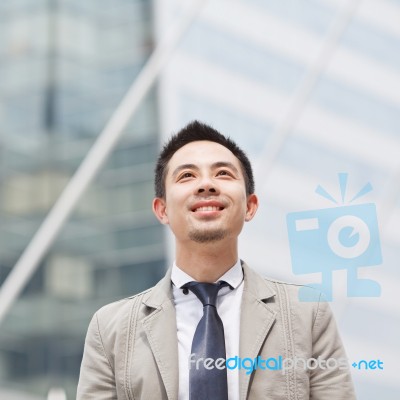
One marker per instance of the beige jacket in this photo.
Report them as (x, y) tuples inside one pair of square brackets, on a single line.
[(131, 347)]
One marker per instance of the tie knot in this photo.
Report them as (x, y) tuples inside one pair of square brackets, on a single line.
[(206, 292)]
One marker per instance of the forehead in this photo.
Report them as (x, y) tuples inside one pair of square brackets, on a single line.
[(202, 153)]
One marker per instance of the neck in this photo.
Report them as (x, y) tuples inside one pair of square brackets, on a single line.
[(206, 262)]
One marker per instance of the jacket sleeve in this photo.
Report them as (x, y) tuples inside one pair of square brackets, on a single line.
[(332, 378), (97, 378)]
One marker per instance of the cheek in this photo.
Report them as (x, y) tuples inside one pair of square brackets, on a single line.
[(174, 210), (244, 208), (243, 200), (175, 195)]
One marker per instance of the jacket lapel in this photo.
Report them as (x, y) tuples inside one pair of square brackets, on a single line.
[(256, 320), (160, 328)]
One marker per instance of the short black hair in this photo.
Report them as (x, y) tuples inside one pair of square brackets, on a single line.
[(196, 131)]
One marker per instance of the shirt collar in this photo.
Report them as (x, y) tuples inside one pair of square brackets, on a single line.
[(234, 276)]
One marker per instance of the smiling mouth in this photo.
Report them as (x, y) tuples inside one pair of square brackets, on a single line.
[(208, 208)]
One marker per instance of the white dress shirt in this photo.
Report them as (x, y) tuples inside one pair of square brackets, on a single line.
[(189, 311)]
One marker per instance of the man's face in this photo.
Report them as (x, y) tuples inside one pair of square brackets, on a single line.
[(205, 197)]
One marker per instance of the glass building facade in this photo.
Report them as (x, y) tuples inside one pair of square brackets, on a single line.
[(64, 67), (243, 67)]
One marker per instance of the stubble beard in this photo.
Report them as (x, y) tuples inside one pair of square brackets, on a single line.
[(207, 236)]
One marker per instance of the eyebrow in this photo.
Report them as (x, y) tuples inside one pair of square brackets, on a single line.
[(216, 165), (227, 164)]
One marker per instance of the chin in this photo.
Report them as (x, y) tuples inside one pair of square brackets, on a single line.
[(208, 236)]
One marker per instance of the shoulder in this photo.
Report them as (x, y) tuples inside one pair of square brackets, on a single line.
[(295, 291), (118, 312), (285, 298), (266, 287), (304, 302)]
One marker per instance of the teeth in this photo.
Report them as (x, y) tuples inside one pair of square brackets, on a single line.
[(208, 208)]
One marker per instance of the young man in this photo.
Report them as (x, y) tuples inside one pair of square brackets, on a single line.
[(171, 341)]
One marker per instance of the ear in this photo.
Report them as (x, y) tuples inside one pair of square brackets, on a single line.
[(252, 206), (160, 210)]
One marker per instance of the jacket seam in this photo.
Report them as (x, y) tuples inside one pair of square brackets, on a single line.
[(284, 305), (135, 296), (130, 344), (317, 312), (102, 344), (291, 340)]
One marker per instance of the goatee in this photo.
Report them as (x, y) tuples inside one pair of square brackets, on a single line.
[(205, 236)]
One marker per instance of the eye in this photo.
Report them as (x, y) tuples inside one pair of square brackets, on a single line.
[(186, 175), (223, 172)]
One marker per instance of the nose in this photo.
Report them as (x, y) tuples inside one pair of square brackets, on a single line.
[(207, 186), (210, 190)]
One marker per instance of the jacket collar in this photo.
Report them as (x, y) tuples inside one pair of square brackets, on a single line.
[(160, 293), (257, 318), (160, 328)]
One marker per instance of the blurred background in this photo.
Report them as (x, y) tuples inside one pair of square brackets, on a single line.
[(309, 88)]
